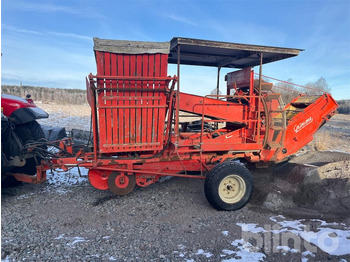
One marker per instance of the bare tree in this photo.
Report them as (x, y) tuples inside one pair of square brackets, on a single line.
[(287, 90), (213, 92), (318, 88)]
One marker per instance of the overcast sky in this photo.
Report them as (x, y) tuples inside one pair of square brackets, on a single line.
[(49, 43)]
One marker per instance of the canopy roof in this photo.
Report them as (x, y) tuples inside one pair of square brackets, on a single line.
[(225, 54), (200, 52)]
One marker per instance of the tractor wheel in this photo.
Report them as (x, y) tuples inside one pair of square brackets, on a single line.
[(29, 132), (228, 186)]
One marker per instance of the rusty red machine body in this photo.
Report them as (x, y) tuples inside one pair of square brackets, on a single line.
[(138, 132)]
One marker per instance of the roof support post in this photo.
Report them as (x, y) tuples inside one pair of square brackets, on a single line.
[(218, 91), (177, 120), (218, 82), (259, 100)]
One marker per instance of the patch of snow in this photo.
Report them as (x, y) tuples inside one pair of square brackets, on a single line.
[(181, 246), (77, 240), (305, 254), (71, 177), (71, 240), (24, 196), (60, 237), (6, 259), (206, 254), (294, 224), (225, 233), (227, 252), (111, 258), (287, 249), (274, 218), (251, 228), (330, 240), (245, 252)]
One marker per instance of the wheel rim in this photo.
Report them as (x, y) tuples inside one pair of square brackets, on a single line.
[(121, 185), (232, 189)]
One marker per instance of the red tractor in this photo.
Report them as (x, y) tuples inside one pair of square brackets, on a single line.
[(19, 130), (139, 135)]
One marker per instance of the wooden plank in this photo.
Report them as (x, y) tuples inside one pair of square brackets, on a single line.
[(132, 102), (157, 119), (144, 111), (113, 97), (138, 112), (108, 102), (130, 47), (126, 102), (150, 112), (120, 102)]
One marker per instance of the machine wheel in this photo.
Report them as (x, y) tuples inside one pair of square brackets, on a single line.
[(228, 186), (28, 132), (121, 184), (99, 179)]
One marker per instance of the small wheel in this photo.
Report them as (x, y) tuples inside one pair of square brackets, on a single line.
[(121, 184), (228, 186)]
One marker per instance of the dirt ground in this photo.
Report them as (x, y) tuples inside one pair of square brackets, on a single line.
[(303, 203)]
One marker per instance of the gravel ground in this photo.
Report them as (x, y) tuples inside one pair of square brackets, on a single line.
[(169, 221), (68, 220)]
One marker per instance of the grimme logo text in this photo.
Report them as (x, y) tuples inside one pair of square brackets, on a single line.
[(297, 128)]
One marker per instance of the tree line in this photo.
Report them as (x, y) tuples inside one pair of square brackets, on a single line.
[(46, 94), (78, 96), (344, 106), (289, 91)]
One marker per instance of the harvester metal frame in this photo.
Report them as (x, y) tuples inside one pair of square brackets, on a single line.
[(136, 120)]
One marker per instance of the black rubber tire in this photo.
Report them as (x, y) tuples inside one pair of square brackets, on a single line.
[(27, 132), (220, 172)]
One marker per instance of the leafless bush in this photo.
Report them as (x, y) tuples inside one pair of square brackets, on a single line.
[(322, 141), (344, 106)]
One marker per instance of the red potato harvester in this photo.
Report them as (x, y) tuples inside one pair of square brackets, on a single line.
[(138, 136)]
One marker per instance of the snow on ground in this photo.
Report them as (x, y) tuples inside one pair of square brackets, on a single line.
[(60, 178), (334, 241), (71, 241), (243, 251), (225, 233)]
